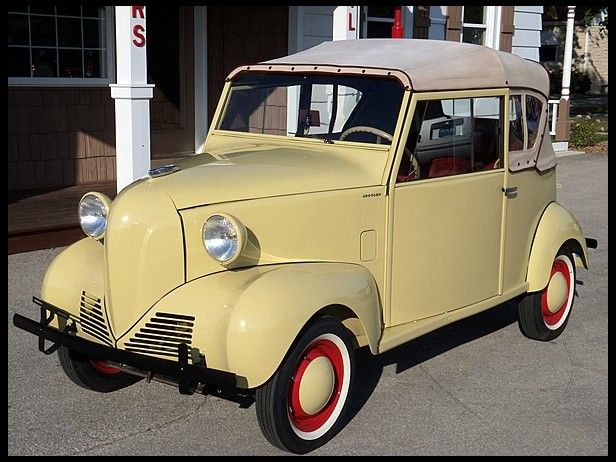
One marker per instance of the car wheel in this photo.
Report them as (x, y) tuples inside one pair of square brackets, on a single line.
[(544, 315), (302, 406), (93, 374)]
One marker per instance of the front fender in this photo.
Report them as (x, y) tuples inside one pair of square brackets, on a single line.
[(76, 269), (556, 226), (247, 320), (275, 307)]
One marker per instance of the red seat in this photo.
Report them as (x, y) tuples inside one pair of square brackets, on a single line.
[(443, 166)]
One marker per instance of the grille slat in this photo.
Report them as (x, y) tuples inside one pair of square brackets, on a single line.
[(89, 305), (165, 327), (94, 334), (162, 334), (88, 325), (91, 318), (178, 335), (137, 340)]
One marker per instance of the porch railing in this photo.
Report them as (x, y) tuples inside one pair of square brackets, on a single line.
[(553, 115)]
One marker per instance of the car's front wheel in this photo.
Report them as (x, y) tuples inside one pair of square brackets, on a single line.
[(544, 315), (93, 374), (302, 406)]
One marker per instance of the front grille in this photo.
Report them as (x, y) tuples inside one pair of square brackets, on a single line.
[(162, 335), (92, 319)]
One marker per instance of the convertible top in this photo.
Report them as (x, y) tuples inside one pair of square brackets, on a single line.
[(429, 65), (421, 65)]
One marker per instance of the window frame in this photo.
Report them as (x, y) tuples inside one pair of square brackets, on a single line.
[(527, 152), (78, 81), (441, 95), (368, 19), (491, 25)]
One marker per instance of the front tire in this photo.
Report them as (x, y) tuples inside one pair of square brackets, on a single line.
[(544, 315), (93, 374), (302, 406)]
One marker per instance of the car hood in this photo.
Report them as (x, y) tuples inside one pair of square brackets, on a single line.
[(250, 171)]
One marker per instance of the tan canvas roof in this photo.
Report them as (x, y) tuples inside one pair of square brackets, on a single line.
[(423, 65)]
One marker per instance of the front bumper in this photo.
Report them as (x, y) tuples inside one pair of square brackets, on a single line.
[(187, 376)]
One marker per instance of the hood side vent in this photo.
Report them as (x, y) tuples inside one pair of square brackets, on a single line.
[(162, 334), (92, 319)]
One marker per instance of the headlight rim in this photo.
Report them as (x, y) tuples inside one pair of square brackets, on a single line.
[(106, 201), (240, 231)]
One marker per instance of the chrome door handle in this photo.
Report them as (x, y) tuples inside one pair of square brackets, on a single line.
[(511, 191)]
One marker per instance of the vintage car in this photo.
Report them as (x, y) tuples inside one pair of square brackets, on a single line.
[(359, 193)]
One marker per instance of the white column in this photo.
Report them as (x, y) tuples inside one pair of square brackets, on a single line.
[(566, 83), (132, 95), (346, 23), (201, 103)]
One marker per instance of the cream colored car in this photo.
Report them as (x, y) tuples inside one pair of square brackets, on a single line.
[(360, 193)]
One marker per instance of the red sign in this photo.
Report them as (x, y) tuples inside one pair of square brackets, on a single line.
[(138, 29)]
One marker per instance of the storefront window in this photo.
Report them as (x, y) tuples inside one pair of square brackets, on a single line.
[(57, 42)]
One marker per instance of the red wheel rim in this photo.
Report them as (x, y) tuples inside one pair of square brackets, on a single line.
[(551, 319), (299, 418), (102, 367)]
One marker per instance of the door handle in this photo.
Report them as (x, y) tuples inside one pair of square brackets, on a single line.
[(511, 191)]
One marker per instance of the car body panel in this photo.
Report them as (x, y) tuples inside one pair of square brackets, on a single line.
[(144, 253), (328, 229), (250, 317), (238, 167), (556, 227), (436, 265)]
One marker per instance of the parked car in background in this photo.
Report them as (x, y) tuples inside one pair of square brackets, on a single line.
[(360, 193)]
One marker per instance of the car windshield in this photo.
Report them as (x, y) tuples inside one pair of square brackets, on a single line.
[(330, 107)]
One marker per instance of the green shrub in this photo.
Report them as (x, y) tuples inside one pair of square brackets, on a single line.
[(584, 131)]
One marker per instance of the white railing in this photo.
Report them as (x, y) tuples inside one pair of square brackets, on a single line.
[(553, 115)]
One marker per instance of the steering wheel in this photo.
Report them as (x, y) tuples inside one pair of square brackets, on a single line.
[(382, 134)]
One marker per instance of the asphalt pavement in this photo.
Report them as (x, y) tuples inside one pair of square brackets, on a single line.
[(477, 387)]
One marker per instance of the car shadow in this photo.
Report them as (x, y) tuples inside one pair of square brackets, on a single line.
[(370, 368)]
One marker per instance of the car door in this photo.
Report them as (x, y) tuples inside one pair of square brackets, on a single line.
[(447, 211)]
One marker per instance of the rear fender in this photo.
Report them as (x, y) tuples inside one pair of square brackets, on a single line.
[(557, 226)]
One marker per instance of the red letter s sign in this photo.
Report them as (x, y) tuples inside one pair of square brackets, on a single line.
[(138, 31)]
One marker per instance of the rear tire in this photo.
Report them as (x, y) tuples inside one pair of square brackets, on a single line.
[(303, 405), (93, 374), (544, 315)]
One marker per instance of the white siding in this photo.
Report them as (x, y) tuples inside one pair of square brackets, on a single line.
[(538, 9), (309, 25), (527, 34), (438, 18)]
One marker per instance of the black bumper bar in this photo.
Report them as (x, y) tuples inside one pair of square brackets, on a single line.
[(187, 375)]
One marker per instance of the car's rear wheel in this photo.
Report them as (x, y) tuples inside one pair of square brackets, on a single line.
[(544, 315), (302, 406), (93, 374)]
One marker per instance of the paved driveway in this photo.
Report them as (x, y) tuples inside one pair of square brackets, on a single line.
[(477, 387)]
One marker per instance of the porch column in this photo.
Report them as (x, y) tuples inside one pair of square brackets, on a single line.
[(346, 23), (562, 125), (132, 96)]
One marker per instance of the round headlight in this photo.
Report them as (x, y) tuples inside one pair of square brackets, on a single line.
[(223, 238), (93, 210)]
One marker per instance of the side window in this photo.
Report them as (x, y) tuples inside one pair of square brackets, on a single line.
[(533, 116), (453, 137), (516, 124)]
